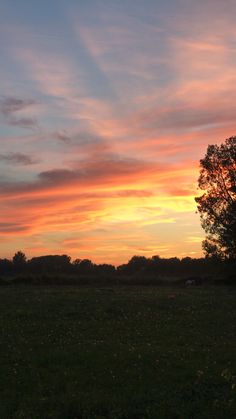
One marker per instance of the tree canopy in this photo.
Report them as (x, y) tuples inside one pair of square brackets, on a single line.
[(19, 260), (217, 205)]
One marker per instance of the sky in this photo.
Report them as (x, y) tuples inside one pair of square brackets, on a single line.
[(106, 108)]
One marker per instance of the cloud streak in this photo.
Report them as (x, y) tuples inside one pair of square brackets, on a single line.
[(18, 158), (11, 108), (11, 105)]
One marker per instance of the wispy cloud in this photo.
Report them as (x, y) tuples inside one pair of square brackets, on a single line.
[(11, 108), (23, 122), (10, 105), (18, 158), (63, 136)]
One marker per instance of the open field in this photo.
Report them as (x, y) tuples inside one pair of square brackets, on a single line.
[(121, 353)]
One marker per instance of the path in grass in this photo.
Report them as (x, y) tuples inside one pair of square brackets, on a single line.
[(121, 353)]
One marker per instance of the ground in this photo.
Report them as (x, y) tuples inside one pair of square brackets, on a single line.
[(117, 353)]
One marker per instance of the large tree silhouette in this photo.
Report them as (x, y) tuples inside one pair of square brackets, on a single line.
[(217, 205)]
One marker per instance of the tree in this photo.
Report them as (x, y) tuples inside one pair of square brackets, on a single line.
[(19, 261), (50, 263), (137, 263), (217, 205), (86, 265)]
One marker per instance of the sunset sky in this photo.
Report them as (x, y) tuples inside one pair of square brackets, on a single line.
[(106, 107)]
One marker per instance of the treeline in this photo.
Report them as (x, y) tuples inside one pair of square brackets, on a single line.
[(56, 269), (50, 264)]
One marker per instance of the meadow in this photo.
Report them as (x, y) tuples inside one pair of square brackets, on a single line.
[(117, 353)]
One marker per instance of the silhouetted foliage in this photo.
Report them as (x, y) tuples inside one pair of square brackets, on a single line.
[(59, 270), (19, 261), (137, 263), (50, 263), (217, 205), (85, 265), (105, 268), (76, 262), (6, 266)]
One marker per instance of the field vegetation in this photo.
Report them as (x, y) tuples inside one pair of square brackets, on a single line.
[(117, 352)]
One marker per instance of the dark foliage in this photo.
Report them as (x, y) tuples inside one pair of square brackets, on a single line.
[(50, 263), (217, 205), (60, 270), (6, 266), (19, 261)]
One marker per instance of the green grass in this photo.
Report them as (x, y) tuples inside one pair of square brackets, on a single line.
[(121, 353)]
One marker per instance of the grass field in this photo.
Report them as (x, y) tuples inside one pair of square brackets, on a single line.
[(121, 353)]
